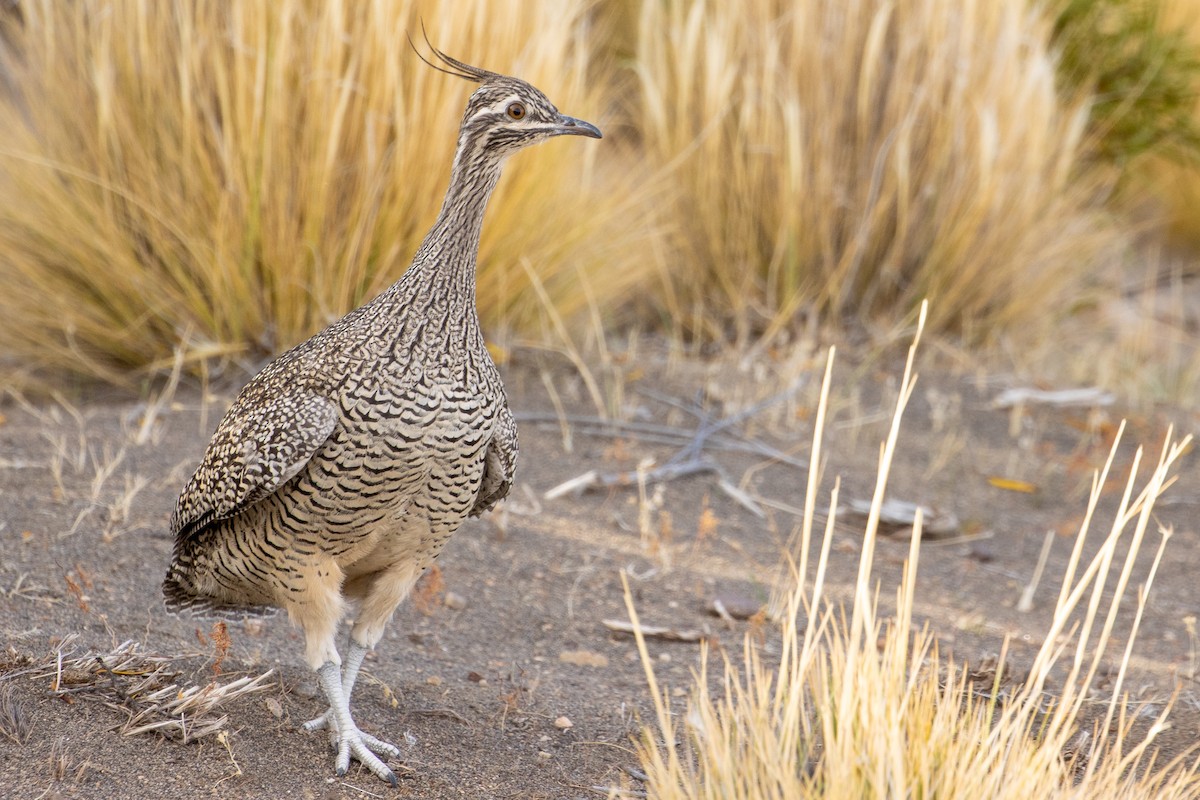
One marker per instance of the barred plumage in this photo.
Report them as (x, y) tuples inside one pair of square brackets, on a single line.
[(342, 468)]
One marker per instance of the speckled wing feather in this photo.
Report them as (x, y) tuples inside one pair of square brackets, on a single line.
[(255, 450), (499, 463)]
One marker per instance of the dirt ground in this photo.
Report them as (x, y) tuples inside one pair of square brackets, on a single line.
[(475, 680)]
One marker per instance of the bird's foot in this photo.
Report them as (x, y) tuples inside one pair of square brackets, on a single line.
[(364, 747), (344, 734)]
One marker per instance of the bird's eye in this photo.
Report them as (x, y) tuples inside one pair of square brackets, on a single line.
[(516, 110)]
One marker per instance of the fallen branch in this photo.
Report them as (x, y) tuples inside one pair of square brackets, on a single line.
[(1063, 398), (593, 479), (652, 433), (688, 460), (655, 631)]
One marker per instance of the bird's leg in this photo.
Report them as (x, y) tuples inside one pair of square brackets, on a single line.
[(350, 667), (380, 595), (319, 617), (352, 741)]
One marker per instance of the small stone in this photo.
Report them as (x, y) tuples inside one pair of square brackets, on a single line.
[(434, 680), (475, 677), (274, 707), (544, 756), (583, 658), (982, 553), (454, 601), (306, 690), (562, 723), (664, 658), (736, 605)]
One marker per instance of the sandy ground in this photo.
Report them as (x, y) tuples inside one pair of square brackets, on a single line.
[(503, 681)]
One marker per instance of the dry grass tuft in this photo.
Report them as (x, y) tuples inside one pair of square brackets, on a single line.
[(865, 707), (229, 178), (14, 719), (186, 184), (854, 159), (144, 687)]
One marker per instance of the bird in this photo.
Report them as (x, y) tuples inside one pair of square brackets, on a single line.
[(342, 468)]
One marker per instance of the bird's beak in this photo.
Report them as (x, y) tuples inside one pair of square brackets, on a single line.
[(569, 126)]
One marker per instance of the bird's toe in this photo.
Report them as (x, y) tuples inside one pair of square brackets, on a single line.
[(363, 748), (379, 746), (322, 722)]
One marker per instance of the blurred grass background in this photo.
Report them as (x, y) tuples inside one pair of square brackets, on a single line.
[(222, 180)]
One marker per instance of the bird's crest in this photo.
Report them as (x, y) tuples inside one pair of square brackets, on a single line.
[(452, 66)]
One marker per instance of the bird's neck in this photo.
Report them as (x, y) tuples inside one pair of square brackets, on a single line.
[(444, 265)]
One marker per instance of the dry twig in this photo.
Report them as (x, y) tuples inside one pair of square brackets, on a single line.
[(655, 631)]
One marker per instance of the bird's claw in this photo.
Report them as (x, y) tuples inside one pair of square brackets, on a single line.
[(363, 747)]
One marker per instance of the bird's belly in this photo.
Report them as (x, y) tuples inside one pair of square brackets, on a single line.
[(417, 524)]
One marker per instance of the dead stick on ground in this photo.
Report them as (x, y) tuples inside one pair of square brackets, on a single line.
[(688, 460), (655, 631), (662, 474), (660, 434)]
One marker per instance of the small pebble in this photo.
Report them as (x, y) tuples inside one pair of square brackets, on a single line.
[(736, 605), (305, 690), (454, 601), (434, 680), (542, 754), (274, 707), (562, 723), (982, 553)]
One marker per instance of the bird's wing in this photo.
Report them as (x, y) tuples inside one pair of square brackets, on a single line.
[(261, 444), (499, 463)]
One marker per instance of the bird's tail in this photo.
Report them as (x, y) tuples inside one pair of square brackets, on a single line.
[(181, 601)]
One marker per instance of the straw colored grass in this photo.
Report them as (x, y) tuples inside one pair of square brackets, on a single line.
[(234, 176), (222, 180), (854, 158), (143, 686), (866, 707)]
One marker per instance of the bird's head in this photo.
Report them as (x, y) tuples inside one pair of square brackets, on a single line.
[(506, 114)]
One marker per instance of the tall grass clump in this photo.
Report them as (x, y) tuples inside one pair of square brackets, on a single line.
[(855, 157), (230, 177), (1141, 70), (861, 707)]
